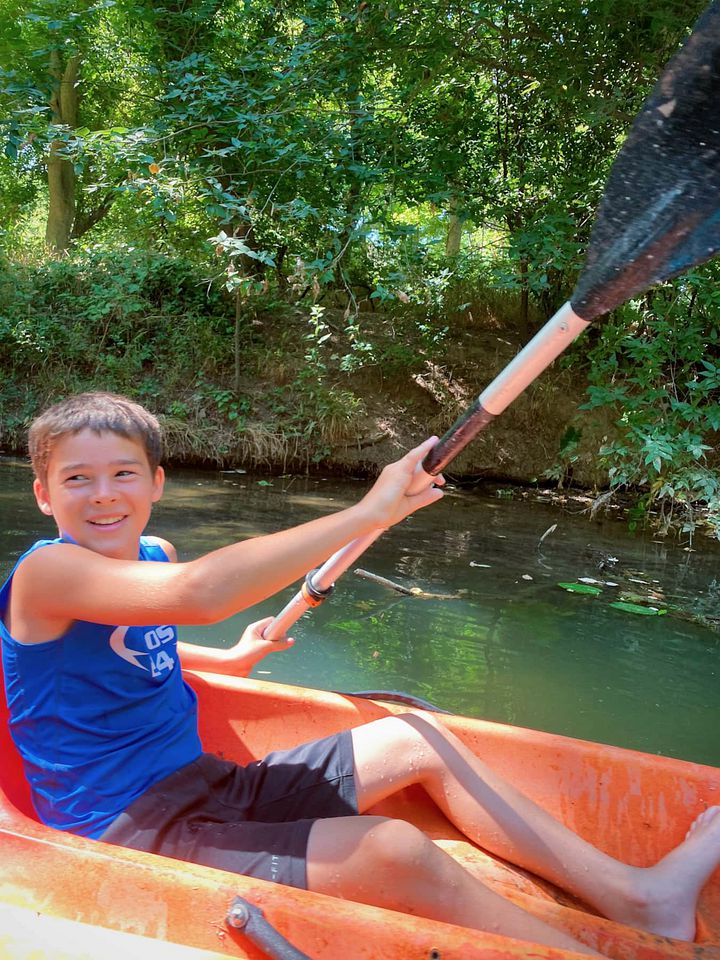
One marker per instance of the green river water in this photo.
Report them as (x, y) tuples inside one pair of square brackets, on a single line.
[(509, 645)]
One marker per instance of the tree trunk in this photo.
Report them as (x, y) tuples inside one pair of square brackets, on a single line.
[(357, 114), (524, 296), (60, 171), (454, 230), (236, 343)]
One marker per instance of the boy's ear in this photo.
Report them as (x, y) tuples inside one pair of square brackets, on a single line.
[(43, 500), (158, 484)]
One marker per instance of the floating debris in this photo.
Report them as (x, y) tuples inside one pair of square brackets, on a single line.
[(638, 609), (547, 533), (407, 591), (581, 588)]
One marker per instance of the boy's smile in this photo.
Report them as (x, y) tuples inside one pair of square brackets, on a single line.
[(100, 489)]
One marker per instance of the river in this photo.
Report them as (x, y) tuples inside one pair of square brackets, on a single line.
[(505, 642)]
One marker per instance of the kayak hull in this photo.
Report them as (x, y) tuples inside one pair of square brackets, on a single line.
[(635, 806)]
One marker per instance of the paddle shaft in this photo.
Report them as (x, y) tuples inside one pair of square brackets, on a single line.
[(545, 346)]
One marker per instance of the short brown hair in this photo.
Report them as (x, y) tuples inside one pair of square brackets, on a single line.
[(96, 411)]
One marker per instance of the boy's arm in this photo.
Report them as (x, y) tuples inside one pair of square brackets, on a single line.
[(236, 661), (64, 582)]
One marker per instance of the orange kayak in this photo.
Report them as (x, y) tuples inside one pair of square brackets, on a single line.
[(633, 805)]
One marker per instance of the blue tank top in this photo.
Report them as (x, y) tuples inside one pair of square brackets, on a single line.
[(98, 715)]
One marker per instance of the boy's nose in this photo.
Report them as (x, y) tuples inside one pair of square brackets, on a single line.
[(103, 492)]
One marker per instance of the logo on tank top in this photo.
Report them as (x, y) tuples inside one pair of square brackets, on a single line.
[(154, 658)]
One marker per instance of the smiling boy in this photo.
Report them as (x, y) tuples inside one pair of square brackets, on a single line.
[(107, 728)]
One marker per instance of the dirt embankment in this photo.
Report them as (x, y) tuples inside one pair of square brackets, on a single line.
[(520, 446), (397, 406)]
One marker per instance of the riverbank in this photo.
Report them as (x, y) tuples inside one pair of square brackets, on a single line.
[(284, 384), (297, 405)]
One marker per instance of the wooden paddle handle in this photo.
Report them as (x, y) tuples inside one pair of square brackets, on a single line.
[(560, 330)]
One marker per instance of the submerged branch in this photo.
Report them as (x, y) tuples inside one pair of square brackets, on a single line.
[(407, 591)]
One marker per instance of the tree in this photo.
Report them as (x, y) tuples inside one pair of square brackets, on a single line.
[(301, 129), (58, 83)]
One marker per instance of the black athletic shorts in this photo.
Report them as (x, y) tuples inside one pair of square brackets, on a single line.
[(254, 820)]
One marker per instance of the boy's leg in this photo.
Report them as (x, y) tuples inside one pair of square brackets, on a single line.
[(395, 752), (392, 864)]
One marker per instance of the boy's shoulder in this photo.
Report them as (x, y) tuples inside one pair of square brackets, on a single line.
[(34, 549), (4, 589), (62, 553), (49, 588)]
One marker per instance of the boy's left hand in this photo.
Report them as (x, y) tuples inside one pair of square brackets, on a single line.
[(235, 661), (252, 647)]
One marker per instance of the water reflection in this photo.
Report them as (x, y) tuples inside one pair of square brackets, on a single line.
[(512, 647)]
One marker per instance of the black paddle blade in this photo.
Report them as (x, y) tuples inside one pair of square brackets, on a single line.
[(660, 213)]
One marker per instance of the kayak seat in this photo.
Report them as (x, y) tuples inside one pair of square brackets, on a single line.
[(14, 788)]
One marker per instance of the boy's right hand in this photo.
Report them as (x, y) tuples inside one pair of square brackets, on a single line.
[(404, 487)]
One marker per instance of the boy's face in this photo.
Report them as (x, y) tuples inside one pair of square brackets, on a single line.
[(100, 489)]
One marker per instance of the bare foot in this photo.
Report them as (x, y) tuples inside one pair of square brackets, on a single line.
[(666, 895)]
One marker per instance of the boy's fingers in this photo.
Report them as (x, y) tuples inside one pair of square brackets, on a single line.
[(418, 453), (426, 497), (421, 479), (282, 643)]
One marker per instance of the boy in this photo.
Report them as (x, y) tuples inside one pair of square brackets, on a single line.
[(108, 734)]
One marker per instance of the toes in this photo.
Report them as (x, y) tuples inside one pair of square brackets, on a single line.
[(703, 819)]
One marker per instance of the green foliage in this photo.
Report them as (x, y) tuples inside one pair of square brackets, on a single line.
[(114, 318), (307, 132), (221, 402), (422, 169), (151, 326), (638, 609), (319, 407), (656, 366)]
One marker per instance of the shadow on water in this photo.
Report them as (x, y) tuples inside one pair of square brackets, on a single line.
[(512, 647)]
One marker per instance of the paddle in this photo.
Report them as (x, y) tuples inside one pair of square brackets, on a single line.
[(660, 215)]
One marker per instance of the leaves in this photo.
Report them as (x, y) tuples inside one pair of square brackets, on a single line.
[(585, 588), (316, 146), (586, 585), (661, 356), (317, 129), (637, 608)]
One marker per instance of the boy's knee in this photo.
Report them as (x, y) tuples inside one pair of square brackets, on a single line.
[(386, 862), (429, 720), (398, 844), (426, 727)]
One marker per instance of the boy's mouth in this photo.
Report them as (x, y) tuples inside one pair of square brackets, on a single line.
[(106, 521)]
